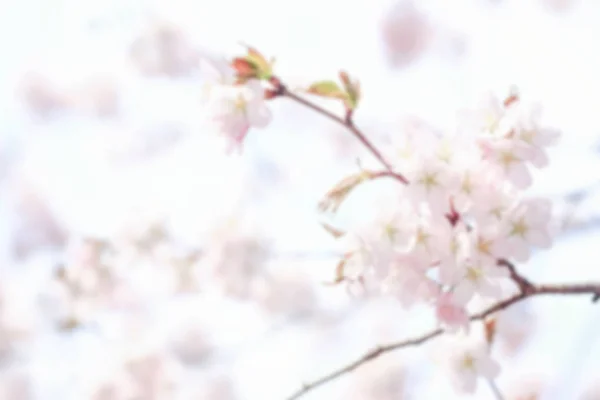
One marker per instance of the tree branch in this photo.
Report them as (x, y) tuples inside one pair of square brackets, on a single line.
[(534, 290), (282, 90)]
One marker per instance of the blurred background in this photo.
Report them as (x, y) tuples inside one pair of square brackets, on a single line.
[(139, 261)]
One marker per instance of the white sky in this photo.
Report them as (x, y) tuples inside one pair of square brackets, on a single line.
[(556, 60)]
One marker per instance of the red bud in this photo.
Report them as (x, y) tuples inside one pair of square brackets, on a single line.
[(243, 68)]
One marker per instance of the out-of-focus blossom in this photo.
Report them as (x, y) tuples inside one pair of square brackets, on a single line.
[(468, 363), (192, 344), (235, 261), (18, 314), (560, 6), (290, 294), (98, 96), (514, 327), (215, 387), (41, 96), (164, 49), (36, 225), (379, 381), (136, 372), (529, 387), (406, 33), (233, 110), (15, 385)]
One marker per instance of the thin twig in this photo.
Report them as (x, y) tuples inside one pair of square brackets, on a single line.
[(494, 388), (282, 90), (586, 289)]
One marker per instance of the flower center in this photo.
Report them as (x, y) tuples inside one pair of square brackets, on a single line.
[(468, 362), (240, 103), (474, 274), (429, 180), (519, 228)]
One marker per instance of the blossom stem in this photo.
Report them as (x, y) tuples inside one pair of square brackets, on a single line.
[(592, 289), (282, 90), (494, 388)]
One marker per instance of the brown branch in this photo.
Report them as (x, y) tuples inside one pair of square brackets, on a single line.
[(522, 283), (534, 290), (282, 90)]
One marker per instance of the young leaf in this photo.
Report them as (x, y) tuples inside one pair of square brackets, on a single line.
[(336, 195), (339, 272), (336, 233), (327, 89), (263, 67), (352, 90)]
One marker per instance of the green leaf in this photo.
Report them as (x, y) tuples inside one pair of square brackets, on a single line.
[(263, 67), (327, 89), (352, 89)]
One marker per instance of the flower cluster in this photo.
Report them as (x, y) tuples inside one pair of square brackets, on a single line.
[(445, 239), (459, 218)]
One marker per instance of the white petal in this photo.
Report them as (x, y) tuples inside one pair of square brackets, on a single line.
[(259, 115), (539, 238), (519, 250), (487, 288), (467, 381), (488, 368), (255, 89), (519, 175), (464, 292), (547, 137), (495, 271), (540, 158)]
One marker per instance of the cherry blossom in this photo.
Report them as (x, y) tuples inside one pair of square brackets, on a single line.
[(430, 180), (407, 280), (509, 158), (478, 276), (236, 109), (232, 108), (526, 225), (535, 136), (468, 363), (451, 313)]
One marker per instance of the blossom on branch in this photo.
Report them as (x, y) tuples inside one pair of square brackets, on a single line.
[(233, 108)]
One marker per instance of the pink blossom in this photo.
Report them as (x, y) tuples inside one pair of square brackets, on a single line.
[(235, 109), (470, 362), (478, 277), (408, 280), (527, 225), (450, 313)]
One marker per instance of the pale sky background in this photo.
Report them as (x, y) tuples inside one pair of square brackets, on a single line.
[(552, 57)]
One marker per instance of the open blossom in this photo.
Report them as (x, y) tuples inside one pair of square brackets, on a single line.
[(509, 157), (407, 280), (527, 225), (476, 276), (536, 137), (233, 108), (470, 362), (512, 138), (450, 313), (237, 108), (430, 180)]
